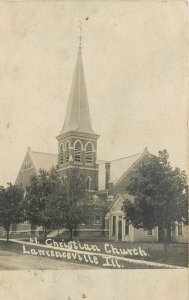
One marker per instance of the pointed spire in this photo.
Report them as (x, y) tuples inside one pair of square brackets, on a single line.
[(80, 36), (78, 114), (145, 151)]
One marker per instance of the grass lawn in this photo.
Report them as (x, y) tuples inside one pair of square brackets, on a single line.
[(6, 248), (9, 246), (177, 253)]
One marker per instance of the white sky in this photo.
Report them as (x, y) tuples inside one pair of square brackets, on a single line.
[(135, 62)]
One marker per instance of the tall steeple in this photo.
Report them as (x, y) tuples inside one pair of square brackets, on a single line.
[(78, 115), (77, 142)]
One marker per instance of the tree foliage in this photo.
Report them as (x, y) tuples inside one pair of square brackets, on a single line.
[(11, 206), (159, 195), (55, 201), (37, 198), (70, 203)]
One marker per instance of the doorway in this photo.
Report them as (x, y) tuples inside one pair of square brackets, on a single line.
[(119, 230)]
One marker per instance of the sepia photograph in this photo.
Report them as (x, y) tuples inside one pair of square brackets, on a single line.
[(94, 144)]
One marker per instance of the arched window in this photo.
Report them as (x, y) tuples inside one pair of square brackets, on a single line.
[(67, 151), (97, 219), (88, 183), (61, 154), (78, 152), (27, 165), (89, 153)]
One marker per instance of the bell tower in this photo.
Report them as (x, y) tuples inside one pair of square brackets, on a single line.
[(77, 142)]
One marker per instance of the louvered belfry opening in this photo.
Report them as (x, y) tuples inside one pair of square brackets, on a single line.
[(89, 153), (77, 152), (61, 154), (67, 152)]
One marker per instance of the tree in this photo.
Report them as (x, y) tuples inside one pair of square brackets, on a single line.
[(159, 196), (70, 201), (11, 206), (37, 198), (53, 200)]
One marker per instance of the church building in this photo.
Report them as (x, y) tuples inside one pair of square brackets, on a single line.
[(107, 180)]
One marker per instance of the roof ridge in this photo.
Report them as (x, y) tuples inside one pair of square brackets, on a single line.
[(43, 152), (126, 157), (124, 193), (102, 161)]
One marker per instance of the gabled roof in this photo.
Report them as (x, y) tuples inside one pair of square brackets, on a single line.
[(132, 162), (32, 163), (120, 197), (119, 170), (78, 115), (126, 196), (44, 160), (119, 166)]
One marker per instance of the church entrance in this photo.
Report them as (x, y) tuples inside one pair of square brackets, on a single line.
[(119, 230)]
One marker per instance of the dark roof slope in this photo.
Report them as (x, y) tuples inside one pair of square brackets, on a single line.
[(44, 160)]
